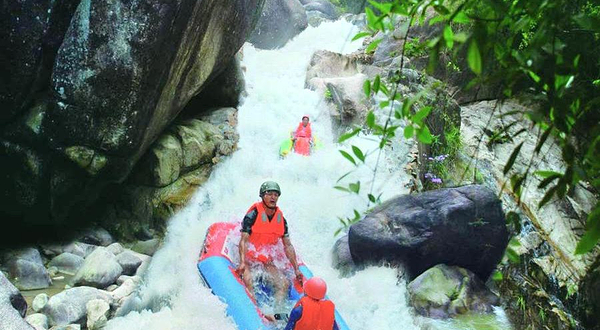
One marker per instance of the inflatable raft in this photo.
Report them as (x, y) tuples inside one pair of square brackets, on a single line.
[(217, 265), (302, 146)]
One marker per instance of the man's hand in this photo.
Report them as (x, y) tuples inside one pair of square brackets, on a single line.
[(299, 275), (241, 268)]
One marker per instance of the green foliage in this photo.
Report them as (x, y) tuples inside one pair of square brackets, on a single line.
[(328, 95), (548, 49)]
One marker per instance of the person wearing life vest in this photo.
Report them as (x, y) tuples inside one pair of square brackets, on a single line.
[(302, 137), (313, 311), (264, 229)]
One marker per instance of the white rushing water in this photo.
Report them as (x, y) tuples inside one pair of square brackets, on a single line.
[(172, 296)]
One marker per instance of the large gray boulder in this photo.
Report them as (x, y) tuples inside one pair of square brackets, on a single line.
[(27, 270), (88, 88), (323, 6), (12, 307), (129, 262), (100, 269), (69, 306), (281, 20), (444, 291), (462, 226), (67, 263)]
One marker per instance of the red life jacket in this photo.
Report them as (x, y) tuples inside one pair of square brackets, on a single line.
[(316, 314), (265, 232), (302, 131)]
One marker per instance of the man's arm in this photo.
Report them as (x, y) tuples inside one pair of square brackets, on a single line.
[(243, 248), (291, 255)]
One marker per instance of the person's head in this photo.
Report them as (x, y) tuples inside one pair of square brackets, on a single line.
[(305, 120), (315, 288), (269, 192)]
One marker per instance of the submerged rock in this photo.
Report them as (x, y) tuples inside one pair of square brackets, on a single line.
[(280, 21)]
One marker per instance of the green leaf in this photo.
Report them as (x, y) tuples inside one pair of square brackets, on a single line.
[(512, 158), (371, 47), (371, 18), (361, 35), (367, 88), (376, 83), (359, 154), (449, 36), (513, 219), (384, 8), (497, 276), (372, 198), (512, 255), (461, 18), (384, 104), (354, 187), (348, 157), (348, 135), (460, 37), (343, 176), (424, 135), (421, 114), (409, 131), (592, 232), (546, 174), (342, 188), (474, 57), (370, 119)]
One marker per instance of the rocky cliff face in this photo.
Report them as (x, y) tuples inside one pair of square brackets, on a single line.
[(88, 86)]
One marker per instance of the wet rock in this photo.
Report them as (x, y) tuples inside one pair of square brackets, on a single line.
[(27, 270), (67, 263), (129, 262), (462, 226), (323, 6), (115, 248), (161, 165), (81, 249), (69, 306), (99, 116), (281, 20), (97, 236), (67, 327), (148, 247), (39, 302), (444, 291), (38, 321), (97, 314), (197, 143), (342, 258), (125, 291), (100, 269), (12, 307)]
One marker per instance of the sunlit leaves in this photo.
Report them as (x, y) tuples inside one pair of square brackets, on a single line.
[(474, 57), (592, 232)]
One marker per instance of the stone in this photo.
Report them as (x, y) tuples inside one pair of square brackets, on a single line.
[(322, 6), (445, 291), (27, 270), (341, 256), (148, 247), (281, 20), (129, 262), (12, 307), (39, 302), (67, 263), (97, 236), (69, 306), (462, 226), (115, 248), (100, 269), (81, 249), (38, 321), (97, 314)]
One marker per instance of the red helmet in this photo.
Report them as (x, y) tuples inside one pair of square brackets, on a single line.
[(315, 288)]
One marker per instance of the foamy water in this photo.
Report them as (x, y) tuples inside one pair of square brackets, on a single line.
[(172, 296)]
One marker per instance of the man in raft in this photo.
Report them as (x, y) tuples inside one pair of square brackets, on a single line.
[(302, 137), (313, 311), (264, 229)]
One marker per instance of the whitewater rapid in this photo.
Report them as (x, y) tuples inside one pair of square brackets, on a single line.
[(172, 296)]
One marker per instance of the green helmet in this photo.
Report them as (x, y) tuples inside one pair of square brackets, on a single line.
[(269, 185)]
